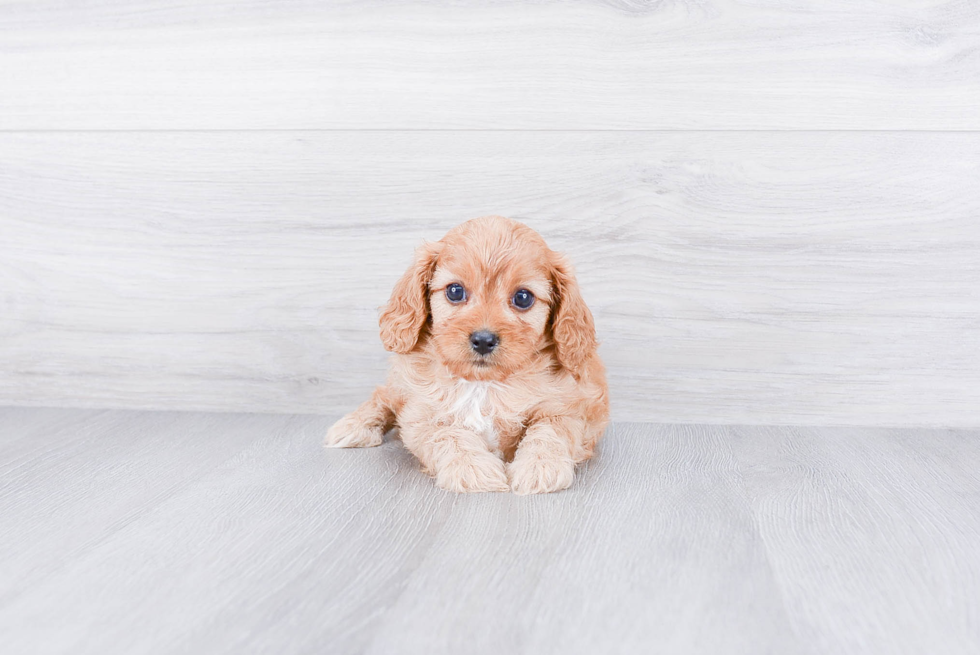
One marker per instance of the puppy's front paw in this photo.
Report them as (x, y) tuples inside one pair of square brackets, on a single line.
[(532, 473), (469, 472), (349, 433)]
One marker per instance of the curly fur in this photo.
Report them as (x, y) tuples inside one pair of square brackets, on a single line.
[(519, 418)]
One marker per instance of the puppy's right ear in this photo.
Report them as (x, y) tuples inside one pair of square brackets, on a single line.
[(407, 311)]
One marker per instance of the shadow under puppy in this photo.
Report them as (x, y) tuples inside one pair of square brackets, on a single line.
[(495, 383)]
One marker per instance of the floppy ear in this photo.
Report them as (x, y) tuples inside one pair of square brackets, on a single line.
[(572, 327), (407, 311)]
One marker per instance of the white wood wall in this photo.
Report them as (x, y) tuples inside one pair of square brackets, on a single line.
[(774, 207)]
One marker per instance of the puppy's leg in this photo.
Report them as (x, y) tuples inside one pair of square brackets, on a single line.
[(365, 426), (546, 457), (457, 457), (593, 433)]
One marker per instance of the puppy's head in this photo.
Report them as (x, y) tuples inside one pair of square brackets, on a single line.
[(488, 297)]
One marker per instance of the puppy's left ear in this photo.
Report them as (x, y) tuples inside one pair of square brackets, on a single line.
[(407, 311), (572, 327)]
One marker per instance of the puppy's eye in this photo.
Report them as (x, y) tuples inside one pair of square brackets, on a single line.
[(523, 299), (455, 293)]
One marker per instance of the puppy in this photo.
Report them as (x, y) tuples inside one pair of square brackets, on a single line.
[(495, 384)]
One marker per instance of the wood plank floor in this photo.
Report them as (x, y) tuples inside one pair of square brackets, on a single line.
[(126, 532)]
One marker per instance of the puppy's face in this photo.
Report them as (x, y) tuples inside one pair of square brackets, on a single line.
[(489, 295), (490, 301)]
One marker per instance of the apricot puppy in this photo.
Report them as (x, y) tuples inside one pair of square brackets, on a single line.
[(495, 383)]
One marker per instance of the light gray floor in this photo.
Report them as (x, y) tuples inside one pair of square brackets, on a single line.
[(131, 532)]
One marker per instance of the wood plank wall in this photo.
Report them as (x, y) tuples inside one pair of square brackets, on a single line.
[(774, 207)]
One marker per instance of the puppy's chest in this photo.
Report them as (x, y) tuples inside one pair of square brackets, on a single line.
[(478, 406)]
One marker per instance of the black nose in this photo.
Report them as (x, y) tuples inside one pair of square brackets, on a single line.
[(483, 341)]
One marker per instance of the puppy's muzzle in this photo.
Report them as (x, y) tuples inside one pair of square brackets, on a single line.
[(483, 342)]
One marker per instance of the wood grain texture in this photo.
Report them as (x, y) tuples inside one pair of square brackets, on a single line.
[(754, 278), (682, 539), (853, 519), (118, 465), (674, 561), (621, 64)]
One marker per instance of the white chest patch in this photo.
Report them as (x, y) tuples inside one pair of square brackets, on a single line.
[(470, 408)]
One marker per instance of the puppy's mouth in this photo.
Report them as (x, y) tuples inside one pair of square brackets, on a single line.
[(482, 363)]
